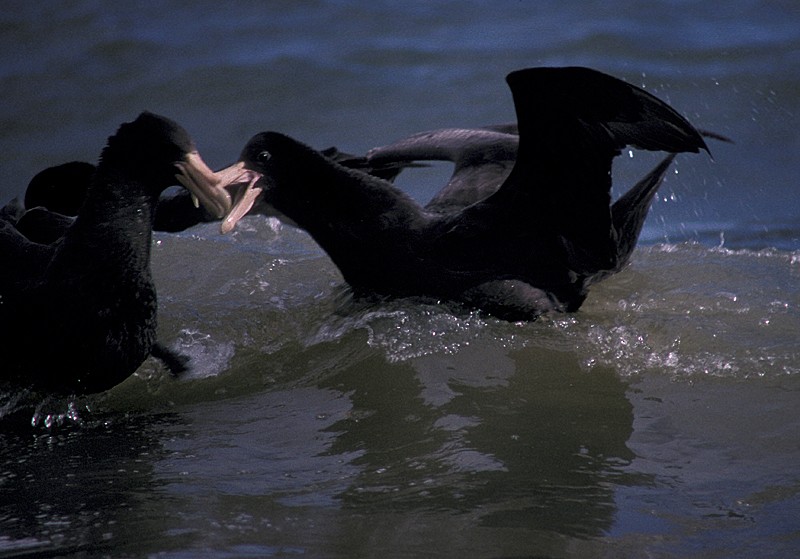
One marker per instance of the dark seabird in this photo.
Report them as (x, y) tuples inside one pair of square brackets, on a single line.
[(533, 245), (60, 189), (51, 198), (79, 315)]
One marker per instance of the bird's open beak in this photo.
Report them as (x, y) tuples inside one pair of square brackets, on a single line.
[(239, 184), (206, 186)]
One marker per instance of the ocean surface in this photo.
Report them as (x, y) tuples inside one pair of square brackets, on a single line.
[(661, 420)]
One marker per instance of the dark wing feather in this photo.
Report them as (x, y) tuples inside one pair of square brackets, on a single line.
[(572, 123), (482, 159)]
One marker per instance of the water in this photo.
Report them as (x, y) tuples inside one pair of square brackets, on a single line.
[(660, 420)]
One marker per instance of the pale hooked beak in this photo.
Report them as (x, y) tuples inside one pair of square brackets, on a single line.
[(204, 184), (243, 198), (208, 187)]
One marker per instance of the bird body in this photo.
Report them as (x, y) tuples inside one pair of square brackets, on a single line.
[(78, 315), (532, 244)]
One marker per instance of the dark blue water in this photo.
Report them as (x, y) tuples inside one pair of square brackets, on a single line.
[(660, 420)]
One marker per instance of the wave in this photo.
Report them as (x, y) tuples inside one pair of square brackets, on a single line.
[(682, 308), (265, 307)]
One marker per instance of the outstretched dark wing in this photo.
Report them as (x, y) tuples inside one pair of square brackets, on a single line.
[(386, 170), (610, 110), (572, 123), (482, 159)]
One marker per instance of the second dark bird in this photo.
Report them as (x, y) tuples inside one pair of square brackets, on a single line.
[(530, 246)]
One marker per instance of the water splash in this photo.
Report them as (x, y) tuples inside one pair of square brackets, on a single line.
[(208, 357), (45, 416)]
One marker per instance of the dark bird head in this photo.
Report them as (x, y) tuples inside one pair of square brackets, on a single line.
[(60, 189), (149, 147), (274, 163), (306, 188), (265, 152), (264, 164), (157, 152)]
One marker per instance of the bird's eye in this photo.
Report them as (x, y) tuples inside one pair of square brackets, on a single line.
[(263, 156)]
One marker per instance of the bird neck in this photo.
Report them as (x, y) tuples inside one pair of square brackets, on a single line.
[(114, 226), (332, 201)]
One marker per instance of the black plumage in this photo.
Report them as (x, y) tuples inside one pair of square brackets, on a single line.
[(78, 315), (533, 245)]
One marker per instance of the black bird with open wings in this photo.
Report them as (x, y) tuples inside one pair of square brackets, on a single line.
[(533, 245)]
